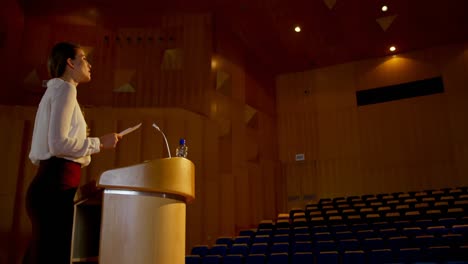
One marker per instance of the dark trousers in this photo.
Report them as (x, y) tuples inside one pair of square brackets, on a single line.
[(49, 203)]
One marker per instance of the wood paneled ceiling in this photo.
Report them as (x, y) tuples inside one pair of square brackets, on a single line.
[(333, 31)]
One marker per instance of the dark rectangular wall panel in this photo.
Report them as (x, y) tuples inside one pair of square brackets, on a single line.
[(400, 91)]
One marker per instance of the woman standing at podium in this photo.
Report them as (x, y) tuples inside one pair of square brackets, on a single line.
[(60, 147)]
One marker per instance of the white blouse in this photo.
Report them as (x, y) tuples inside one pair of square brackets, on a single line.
[(60, 128)]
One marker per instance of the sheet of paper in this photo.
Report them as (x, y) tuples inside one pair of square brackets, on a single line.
[(129, 130)]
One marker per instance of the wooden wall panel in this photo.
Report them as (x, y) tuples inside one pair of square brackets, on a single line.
[(404, 145)]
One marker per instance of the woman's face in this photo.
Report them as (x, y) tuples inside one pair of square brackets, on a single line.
[(82, 68)]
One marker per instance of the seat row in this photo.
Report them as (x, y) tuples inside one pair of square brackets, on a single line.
[(455, 192), (433, 254)]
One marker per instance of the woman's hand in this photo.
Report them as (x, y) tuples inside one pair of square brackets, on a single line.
[(109, 141)]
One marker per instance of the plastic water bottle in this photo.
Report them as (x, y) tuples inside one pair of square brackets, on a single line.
[(182, 149)]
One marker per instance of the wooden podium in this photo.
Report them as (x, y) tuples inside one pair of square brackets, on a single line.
[(144, 212)]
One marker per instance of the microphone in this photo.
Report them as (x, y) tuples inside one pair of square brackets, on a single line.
[(165, 139)]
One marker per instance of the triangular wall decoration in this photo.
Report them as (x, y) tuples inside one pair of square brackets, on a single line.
[(223, 83), (250, 115), (330, 3), (32, 79), (123, 76), (125, 88), (385, 22), (172, 59)]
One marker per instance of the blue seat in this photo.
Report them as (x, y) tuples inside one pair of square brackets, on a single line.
[(424, 241), (301, 230), (412, 231), (279, 248), (344, 235), (240, 249), (409, 255), (302, 258), (348, 245), (233, 259), (319, 229), (242, 240), (224, 241), (329, 257), (352, 257), (259, 248), (460, 229), (282, 223), (264, 232), (304, 246), (200, 250), (261, 239), (219, 250), (255, 259), (278, 258), (378, 256), (389, 232), (363, 234), (282, 231), (211, 259), (338, 228), (439, 253), (247, 232), (280, 239), (373, 243), (192, 259), (438, 230), (398, 242), (360, 226), (452, 240), (266, 224), (301, 237), (322, 236), (325, 245)]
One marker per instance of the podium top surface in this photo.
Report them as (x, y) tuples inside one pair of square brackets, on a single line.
[(169, 176)]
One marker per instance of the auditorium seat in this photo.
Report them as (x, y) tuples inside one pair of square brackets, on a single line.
[(302, 258), (302, 237), (219, 250), (379, 256), (200, 250), (278, 258), (329, 257), (283, 238), (239, 249), (348, 245), (302, 246), (279, 248), (259, 248), (408, 255), (373, 243), (211, 259), (242, 240), (261, 239), (247, 232), (353, 257), (282, 231), (224, 241), (255, 259), (233, 259), (324, 245), (192, 259)]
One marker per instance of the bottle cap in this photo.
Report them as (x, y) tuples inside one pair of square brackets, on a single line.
[(182, 141)]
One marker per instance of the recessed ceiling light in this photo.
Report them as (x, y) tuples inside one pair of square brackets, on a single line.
[(297, 29), (392, 48), (384, 8)]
